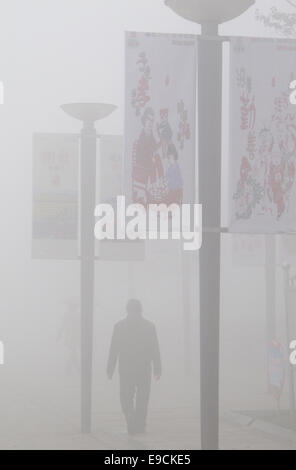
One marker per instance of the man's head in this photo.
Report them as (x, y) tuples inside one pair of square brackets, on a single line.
[(134, 308)]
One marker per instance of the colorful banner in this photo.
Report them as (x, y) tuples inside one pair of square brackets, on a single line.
[(160, 120), (55, 196), (263, 136)]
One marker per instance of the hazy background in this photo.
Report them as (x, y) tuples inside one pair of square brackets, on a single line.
[(58, 51)]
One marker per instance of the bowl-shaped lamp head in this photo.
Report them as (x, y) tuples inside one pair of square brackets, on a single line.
[(209, 11), (88, 112)]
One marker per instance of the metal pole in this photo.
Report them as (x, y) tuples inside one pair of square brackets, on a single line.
[(270, 278), (289, 290), (210, 140), (88, 199), (189, 268), (270, 289), (88, 113)]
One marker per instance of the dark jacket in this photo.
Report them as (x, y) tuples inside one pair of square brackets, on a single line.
[(135, 345)]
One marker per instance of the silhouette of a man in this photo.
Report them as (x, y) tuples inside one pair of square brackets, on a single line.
[(135, 346)]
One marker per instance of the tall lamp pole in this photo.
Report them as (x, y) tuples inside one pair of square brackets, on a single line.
[(88, 113), (289, 290), (210, 13)]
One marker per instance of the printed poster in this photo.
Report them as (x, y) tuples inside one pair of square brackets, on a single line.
[(263, 136), (160, 120), (55, 196)]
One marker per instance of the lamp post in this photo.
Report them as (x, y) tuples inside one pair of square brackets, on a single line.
[(210, 13), (289, 290), (88, 113)]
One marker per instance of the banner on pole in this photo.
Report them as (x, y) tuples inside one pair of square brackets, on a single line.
[(55, 196), (160, 119), (263, 136), (248, 250), (287, 247), (110, 168)]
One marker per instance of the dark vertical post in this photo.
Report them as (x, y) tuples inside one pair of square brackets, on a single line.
[(288, 298), (189, 297), (270, 290), (210, 138), (88, 198)]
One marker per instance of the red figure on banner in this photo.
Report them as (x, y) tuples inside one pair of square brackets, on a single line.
[(148, 170)]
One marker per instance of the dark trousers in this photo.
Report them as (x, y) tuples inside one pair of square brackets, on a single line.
[(134, 397)]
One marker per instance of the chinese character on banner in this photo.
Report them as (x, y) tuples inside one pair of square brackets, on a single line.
[(160, 118), (263, 136)]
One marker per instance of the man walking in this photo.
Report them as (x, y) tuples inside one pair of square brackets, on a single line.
[(135, 346)]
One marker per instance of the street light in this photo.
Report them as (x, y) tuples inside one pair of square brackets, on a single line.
[(88, 113), (210, 13)]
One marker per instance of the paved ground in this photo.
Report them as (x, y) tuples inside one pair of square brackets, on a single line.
[(168, 429)]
